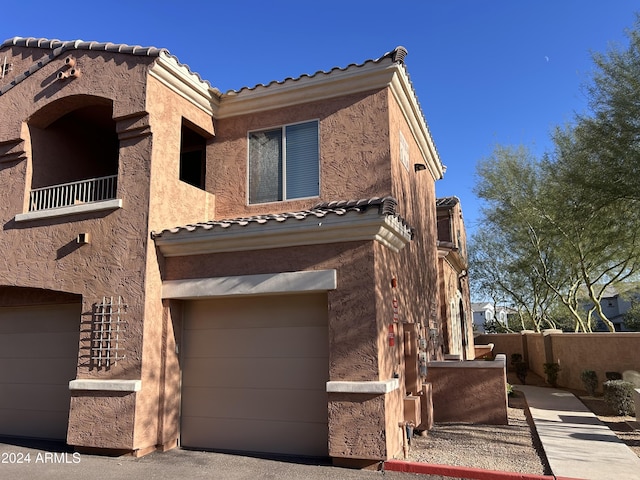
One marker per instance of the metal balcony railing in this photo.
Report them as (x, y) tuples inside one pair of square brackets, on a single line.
[(73, 193)]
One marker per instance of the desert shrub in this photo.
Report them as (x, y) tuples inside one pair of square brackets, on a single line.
[(618, 394), (521, 372), (590, 381), (551, 371), (509, 389), (613, 375)]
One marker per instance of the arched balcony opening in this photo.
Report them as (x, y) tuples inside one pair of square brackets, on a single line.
[(75, 149)]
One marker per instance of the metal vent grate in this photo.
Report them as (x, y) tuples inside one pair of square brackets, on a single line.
[(108, 328)]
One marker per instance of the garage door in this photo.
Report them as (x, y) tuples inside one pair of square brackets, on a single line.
[(254, 375), (38, 357)]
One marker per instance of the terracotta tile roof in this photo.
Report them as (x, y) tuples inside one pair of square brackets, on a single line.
[(59, 46), (386, 207), (447, 201), (52, 44), (397, 55)]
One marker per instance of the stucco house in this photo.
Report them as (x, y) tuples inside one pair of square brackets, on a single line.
[(486, 312), (453, 278), (183, 266)]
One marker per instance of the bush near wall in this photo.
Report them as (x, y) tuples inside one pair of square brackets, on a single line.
[(618, 394)]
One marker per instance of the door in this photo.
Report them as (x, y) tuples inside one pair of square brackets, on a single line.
[(38, 358), (254, 373)]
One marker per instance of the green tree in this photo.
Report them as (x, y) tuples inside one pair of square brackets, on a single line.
[(603, 146), (545, 235), (571, 219), (632, 317)]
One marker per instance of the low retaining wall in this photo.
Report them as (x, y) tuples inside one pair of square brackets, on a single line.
[(469, 392), (575, 352)]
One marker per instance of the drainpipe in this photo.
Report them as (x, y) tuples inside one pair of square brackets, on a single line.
[(407, 433)]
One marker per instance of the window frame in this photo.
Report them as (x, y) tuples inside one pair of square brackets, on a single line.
[(283, 144)]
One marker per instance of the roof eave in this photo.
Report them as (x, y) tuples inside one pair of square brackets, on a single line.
[(178, 78), (320, 86), (385, 229)]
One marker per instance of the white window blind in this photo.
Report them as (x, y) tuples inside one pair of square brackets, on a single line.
[(284, 163)]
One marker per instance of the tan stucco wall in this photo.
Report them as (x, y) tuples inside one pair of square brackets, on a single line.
[(120, 258), (416, 265), (469, 392), (575, 352), (171, 202), (601, 352), (535, 353), (505, 343), (353, 153)]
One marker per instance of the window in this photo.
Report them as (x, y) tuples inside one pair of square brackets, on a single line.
[(284, 163), (192, 156), (404, 152)]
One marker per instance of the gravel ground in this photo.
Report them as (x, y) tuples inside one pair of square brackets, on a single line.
[(508, 448)]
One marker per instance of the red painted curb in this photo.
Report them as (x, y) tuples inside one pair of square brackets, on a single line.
[(461, 472)]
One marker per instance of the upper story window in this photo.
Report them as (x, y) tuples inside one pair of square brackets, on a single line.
[(404, 152), (284, 163), (193, 148)]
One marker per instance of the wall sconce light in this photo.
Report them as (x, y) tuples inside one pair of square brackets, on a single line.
[(417, 167)]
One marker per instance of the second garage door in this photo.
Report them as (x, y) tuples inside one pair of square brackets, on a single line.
[(38, 357), (254, 374)]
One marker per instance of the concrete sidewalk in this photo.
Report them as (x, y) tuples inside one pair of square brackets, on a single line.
[(577, 444)]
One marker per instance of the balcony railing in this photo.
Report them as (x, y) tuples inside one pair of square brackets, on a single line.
[(74, 193)]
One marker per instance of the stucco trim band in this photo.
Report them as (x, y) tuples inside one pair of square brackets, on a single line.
[(370, 225), (264, 284), (378, 387), (106, 385), (497, 363), (70, 210)]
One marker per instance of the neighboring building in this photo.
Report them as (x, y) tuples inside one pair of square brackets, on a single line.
[(153, 292), (455, 303), (485, 312), (614, 306)]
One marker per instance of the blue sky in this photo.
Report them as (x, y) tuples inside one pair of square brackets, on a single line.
[(486, 72)]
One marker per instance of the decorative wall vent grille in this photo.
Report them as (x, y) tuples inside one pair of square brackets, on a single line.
[(108, 327)]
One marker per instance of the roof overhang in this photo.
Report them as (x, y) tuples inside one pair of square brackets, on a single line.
[(388, 230), (451, 254), (178, 78)]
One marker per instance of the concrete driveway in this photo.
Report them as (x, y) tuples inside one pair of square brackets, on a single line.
[(51, 461)]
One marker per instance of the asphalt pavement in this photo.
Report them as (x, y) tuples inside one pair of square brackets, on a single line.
[(51, 461)]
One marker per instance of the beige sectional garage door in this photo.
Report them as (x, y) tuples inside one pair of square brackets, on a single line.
[(38, 357), (254, 373)]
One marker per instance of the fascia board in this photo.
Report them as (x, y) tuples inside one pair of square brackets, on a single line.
[(311, 231), (186, 84), (404, 95), (321, 86), (251, 285)]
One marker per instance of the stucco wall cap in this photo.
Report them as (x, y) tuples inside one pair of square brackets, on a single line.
[(379, 387), (113, 385)]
